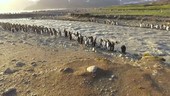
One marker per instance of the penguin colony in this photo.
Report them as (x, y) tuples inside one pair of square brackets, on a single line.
[(90, 41), (155, 26), (141, 25)]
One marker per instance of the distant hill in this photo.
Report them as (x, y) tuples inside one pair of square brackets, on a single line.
[(52, 4), (47, 4), (164, 1)]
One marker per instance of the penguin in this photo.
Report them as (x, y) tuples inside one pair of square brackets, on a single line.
[(65, 33), (94, 42), (112, 47), (101, 41), (81, 40), (86, 42), (54, 32), (123, 49), (70, 35)]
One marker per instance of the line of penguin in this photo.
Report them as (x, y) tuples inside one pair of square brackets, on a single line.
[(89, 41), (141, 25), (155, 26)]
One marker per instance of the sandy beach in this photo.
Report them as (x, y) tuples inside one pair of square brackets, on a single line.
[(34, 65)]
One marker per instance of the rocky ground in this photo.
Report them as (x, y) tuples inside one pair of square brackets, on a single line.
[(32, 65)]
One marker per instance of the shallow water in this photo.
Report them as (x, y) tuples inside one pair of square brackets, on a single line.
[(137, 40)]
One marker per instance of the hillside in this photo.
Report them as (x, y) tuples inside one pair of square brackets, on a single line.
[(155, 9)]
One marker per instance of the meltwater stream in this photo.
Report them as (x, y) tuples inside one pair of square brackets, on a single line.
[(137, 40)]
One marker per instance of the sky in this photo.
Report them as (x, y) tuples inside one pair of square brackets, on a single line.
[(14, 5), (8, 5)]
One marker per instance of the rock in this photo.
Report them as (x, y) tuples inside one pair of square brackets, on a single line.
[(92, 69), (120, 55), (1, 42), (34, 75), (20, 41), (1, 73), (30, 70), (113, 76), (1, 79), (10, 92), (24, 42), (93, 49), (13, 60), (66, 70), (8, 71), (28, 91), (12, 43), (20, 64), (34, 64), (34, 94), (110, 79), (155, 72)]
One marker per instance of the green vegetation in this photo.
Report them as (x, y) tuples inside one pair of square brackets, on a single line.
[(142, 9)]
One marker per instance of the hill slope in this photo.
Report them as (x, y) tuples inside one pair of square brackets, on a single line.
[(155, 9)]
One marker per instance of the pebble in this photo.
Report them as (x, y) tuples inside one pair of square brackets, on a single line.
[(120, 55), (92, 69), (14, 60), (1, 85), (34, 94), (101, 90), (12, 43), (25, 42), (1, 42), (113, 76), (34, 64), (35, 75), (20, 64), (8, 71), (20, 42), (10, 92), (28, 91), (110, 79), (1, 73), (155, 72), (66, 70), (30, 70), (106, 90), (93, 49), (1, 79)]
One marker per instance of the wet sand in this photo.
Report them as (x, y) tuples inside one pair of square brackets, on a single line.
[(42, 60)]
